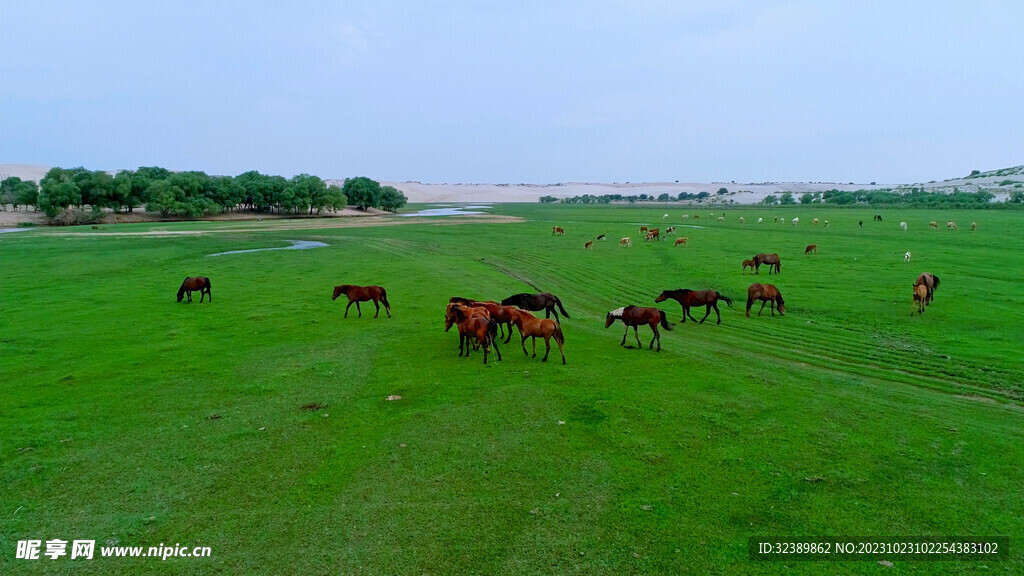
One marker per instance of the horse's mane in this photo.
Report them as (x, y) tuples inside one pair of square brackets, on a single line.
[(617, 313)]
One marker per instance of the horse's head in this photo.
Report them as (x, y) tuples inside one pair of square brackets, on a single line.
[(780, 305), (609, 320), (661, 297), (339, 290), (181, 293)]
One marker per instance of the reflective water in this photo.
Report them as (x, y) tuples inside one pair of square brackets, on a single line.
[(296, 245)]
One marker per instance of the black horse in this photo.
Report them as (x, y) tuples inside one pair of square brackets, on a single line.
[(534, 302)]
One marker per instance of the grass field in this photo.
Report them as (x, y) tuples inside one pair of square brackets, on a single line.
[(132, 420)]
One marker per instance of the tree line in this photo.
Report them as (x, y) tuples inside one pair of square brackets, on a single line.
[(193, 194), (609, 198), (914, 197)]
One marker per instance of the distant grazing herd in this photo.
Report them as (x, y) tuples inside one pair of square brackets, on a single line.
[(481, 323)]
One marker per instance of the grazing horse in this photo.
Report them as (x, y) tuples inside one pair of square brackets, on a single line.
[(903, 226), (625, 242), (721, 218), (636, 316), (878, 217), (760, 220), (601, 237), (765, 293), (534, 302), (643, 229), (811, 248), (826, 223), (653, 234), (190, 285), (687, 298), (772, 260), (680, 240), (950, 225), (860, 223), (748, 264), (796, 221), (357, 294), (588, 244), (472, 326), (742, 220), (920, 298), (685, 216), (906, 257), (670, 230), (815, 221), (532, 327), (933, 225), (557, 230), (974, 226), (929, 281), (469, 309)]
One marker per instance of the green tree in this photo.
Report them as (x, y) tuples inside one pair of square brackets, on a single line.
[(27, 194), (392, 199), (806, 198), (57, 190), (787, 198), (723, 191), (362, 192), (770, 200), (548, 199), (8, 192), (1016, 197)]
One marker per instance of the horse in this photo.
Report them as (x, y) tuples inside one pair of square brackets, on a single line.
[(906, 257), (903, 226), (499, 313), (772, 260), (670, 230), (811, 248), (765, 293), (588, 244), (760, 220), (557, 230), (950, 225), (643, 229), (534, 302), (860, 223), (974, 226), (532, 327), (686, 216), (601, 237), (636, 316), (878, 217), (930, 281), (687, 298), (472, 326), (920, 298), (357, 294), (742, 220), (625, 242), (680, 240), (721, 218), (815, 221), (933, 225), (652, 235), (748, 264), (826, 223), (190, 285)]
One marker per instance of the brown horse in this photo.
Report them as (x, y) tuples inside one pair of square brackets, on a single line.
[(532, 327), (930, 281), (501, 314), (588, 244), (687, 298), (920, 298), (765, 293), (357, 294), (534, 302), (652, 235), (772, 260), (811, 248), (636, 316), (748, 264), (680, 240), (472, 325), (557, 230), (190, 285), (643, 229)]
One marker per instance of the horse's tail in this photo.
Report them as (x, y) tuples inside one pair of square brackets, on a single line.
[(384, 298), (724, 297), (664, 320), (935, 286), (566, 314), (559, 337)]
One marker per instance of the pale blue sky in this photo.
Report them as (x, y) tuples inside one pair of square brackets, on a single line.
[(537, 92)]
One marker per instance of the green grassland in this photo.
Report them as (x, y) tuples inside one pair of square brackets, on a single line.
[(133, 420)]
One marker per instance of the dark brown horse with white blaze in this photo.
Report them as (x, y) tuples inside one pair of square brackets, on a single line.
[(766, 293), (357, 294), (772, 260), (534, 302), (926, 279), (190, 285), (532, 327), (636, 316), (476, 327), (687, 298)]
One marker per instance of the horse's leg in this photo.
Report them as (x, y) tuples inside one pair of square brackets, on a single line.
[(717, 313), (684, 313), (523, 343), (636, 334), (509, 333), (375, 303), (547, 348), (772, 306), (358, 309), (555, 312), (350, 305), (534, 340), (707, 312), (494, 343), (763, 302), (750, 302), (689, 314), (624, 334)]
